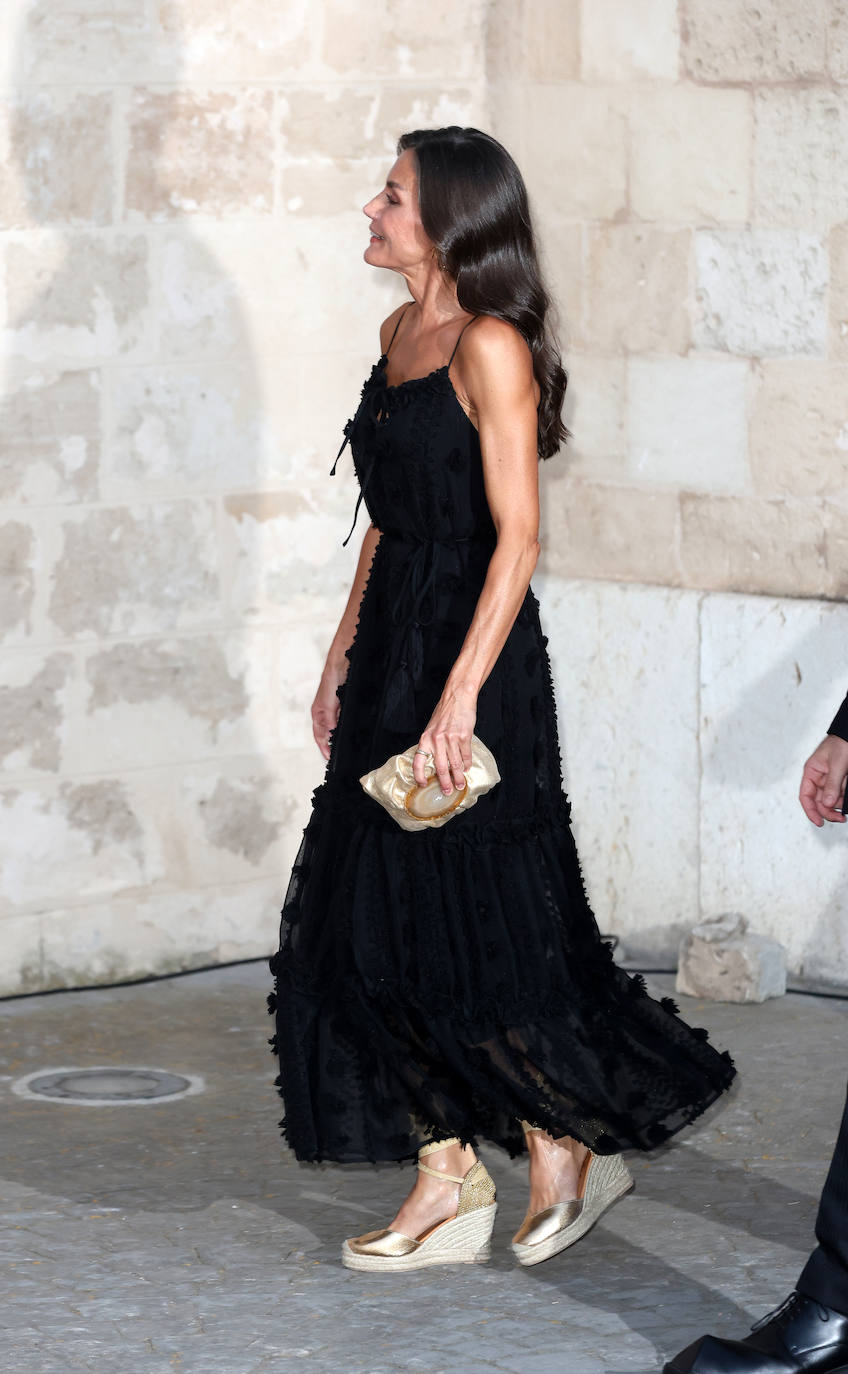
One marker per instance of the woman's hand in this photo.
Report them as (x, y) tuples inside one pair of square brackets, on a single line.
[(325, 707), (448, 738)]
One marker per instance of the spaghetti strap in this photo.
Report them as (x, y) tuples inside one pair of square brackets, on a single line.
[(458, 340), (401, 319)]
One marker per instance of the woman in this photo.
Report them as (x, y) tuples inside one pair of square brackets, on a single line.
[(436, 986)]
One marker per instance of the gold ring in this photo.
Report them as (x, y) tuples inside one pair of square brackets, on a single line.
[(426, 754)]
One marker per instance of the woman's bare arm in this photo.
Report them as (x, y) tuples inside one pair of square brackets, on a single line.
[(498, 382), (325, 707)]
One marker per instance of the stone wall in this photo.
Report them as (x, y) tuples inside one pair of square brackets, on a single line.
[(187, 321), (688, 162), (686, 717), (186, 324)]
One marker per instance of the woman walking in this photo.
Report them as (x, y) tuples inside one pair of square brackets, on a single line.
[(437, 987)]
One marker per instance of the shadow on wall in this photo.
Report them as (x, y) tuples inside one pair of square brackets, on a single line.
[(147, 797), (754, 752)]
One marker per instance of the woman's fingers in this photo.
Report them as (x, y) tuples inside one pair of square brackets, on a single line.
[(457, 763), (323, 725), (448, 740), (322, 739), (442, 767), (465, 755), (439, 758), (422, 760), (450, 755)]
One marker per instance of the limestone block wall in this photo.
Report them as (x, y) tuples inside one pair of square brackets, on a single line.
[(688, 165), (185, 323)]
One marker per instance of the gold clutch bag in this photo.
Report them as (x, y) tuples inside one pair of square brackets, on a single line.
[(424, 808)]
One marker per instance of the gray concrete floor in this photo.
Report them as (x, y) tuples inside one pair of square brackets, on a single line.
[(183, 1237)]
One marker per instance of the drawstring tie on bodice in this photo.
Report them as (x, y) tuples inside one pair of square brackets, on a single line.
[(430, 559), (374, 407)]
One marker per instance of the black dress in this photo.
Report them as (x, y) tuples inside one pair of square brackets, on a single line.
[(452, 981)]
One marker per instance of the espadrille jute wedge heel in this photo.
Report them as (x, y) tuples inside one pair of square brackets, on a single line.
[(603, 1180), (462, 1239)]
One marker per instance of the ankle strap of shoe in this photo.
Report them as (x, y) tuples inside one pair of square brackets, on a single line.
[(434, 1145), (437, 1173)]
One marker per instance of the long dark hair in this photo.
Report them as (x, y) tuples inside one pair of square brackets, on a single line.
[(474, 208)]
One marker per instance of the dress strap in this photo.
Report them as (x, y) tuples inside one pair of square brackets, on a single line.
[(401, 319), (459, 338)]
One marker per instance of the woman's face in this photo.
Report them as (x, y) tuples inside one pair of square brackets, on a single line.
[(398, 240)]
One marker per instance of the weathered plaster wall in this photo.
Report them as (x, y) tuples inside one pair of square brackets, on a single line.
[(185, 326)]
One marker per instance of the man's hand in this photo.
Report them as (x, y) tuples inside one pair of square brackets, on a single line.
[(823, 781)]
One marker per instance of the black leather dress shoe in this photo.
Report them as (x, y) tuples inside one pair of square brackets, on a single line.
[(801, 1336)]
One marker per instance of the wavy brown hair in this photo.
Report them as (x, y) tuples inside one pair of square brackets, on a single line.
[(474, 208)]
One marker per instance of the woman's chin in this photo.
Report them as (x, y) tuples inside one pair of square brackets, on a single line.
[(377, 255)]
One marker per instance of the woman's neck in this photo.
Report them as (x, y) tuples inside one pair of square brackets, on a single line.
[(434, 294)]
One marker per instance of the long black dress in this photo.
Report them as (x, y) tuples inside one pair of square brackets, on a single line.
[(452, 981)]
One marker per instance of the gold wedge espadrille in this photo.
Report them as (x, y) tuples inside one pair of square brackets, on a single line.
[(603, 1180), (462, 1239)]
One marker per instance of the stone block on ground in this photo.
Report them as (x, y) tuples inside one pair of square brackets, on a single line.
[(720, 960)]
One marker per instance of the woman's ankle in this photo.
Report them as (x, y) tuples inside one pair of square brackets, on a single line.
[(556, 1167), (575, 1147), (453, 1159)]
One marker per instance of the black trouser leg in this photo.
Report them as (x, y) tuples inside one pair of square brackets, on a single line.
[(825, 1275)]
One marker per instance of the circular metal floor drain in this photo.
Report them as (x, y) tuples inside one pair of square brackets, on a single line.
[(107, 1085)]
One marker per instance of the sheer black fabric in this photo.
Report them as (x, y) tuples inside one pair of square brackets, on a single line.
[(451, 982)]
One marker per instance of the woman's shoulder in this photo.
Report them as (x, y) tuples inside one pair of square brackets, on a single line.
[(490, 342)]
